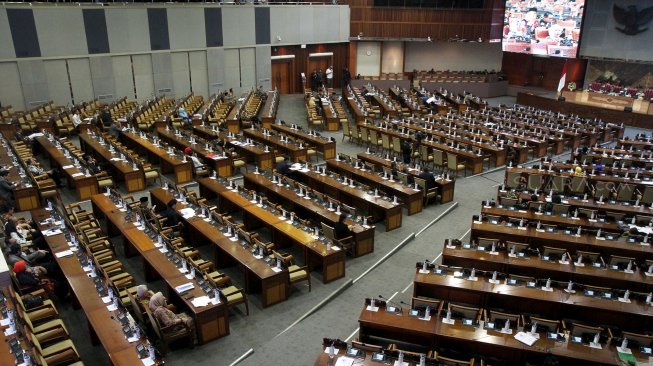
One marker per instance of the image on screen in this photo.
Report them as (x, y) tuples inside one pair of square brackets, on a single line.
[(543, 27)]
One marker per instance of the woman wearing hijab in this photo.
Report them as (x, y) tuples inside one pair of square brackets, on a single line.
[(167, 318), (145, 295)]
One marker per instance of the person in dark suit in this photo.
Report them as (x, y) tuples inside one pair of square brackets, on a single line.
[(428, 177), (171, 215), (105, 117), (406, 151), (341, 229), (284, 166)]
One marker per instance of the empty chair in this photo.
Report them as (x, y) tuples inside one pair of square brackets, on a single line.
[(446, 361), (560, 209), (625, 192), (517, 248), (508, 202), (499, 319), (578, 185), (602, 189), (513, 180), (347, 243), (296, 273), (438, 158), (647, 195), (452, 164), (366, 346), (621, 263), (513, 279), (534, 182), (545, 325), (421, 303), (552, 253), (584, 333), (465, 312), (559, 183), (636, 340), (587, 257), (486, 242)]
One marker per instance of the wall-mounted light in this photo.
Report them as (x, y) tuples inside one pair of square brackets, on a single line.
[(278, 38), (428, 38), (360, 34)]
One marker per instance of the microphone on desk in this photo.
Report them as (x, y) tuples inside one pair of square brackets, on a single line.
[(388, 301)]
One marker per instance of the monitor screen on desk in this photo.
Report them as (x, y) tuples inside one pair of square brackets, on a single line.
[(548, 28)]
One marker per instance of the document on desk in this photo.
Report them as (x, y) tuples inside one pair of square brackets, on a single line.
[(525, 338), (185, 287), (345, 361), (51, 232), (64, 253), (201, 301)]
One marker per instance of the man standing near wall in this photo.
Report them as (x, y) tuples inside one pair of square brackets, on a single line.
[(329, 76)]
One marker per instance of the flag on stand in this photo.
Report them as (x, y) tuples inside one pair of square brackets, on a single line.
[(563, 78)]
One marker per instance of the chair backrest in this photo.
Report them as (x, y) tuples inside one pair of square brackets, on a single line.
[(559, 208), (155, 324), (345, 128), (438, 157), (403, 177), (552, 252), (578, 184), (513, 179), (420, 182), (559, 183), (534, 181), (136, 307), (546, 324), (647, 195), (452, 161), (422, 302), (329, 231), (625, 192), (621, 262), (591, 257), (582, 329), (519, 247), (385, 141), (642, 340), (366, 346), (508, 202), (445, 361), (515, 319), (467, 312)]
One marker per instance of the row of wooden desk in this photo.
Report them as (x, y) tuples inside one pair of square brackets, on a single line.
[(315, 253), (223, 166), (122, 171), (84, 185), (323, 144), (376, 207), (412, 198), (533, 266), (259, 276), (306, 208), (263, 159), (211, 321), (435, 334), (292, 150), (104, 329), (182, 170), (585, 242), (26, 194), (634, 315), (445, 186)]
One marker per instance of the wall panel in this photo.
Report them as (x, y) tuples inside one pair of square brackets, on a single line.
[(198, 73), (34, 80), (128, 30), (58, 83), (232, 69), (263, 67), (216, 65), (5, 37), (80, 79), (186, 28), (11, 90), (452, 56), (247, 68), (143, 76), (368, 59), (236, 26), (392, 58), (51, 23), (104, 86), (162, 74), (180, 73), (123, 77)]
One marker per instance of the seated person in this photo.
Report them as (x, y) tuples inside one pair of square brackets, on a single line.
[(36, 170), (171, 215), (167, 318), (284, 166), (144, 295), (25, 233), (342, 230), (91, 164), (193, 157), (38, 259), (183, 115), (428, 177), (7, 189), (36, 276)]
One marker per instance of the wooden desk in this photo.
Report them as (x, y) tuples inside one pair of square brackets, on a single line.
[(376, 207), (287, 148), (315, 253), (268, 113), (322, 144), (550, 219), (586, 242), (263, 159), (535, 267), (258, 275), (557, 304), (103, 327), (85, 186), (222, 165), (134, 179), (402, 328), (211, 321), (306, 208), (445, 187), (183, 171), (412, 198)]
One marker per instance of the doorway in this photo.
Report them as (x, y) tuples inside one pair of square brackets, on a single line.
[(282, 75)]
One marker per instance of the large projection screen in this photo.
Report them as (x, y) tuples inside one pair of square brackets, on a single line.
[(543, 27), (605, 37)]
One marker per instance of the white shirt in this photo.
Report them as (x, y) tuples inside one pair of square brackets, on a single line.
[(329, 73), (76, 120)]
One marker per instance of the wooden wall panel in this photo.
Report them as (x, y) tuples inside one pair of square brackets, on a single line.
[(439, 24), (527, 70), (340, 60)]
